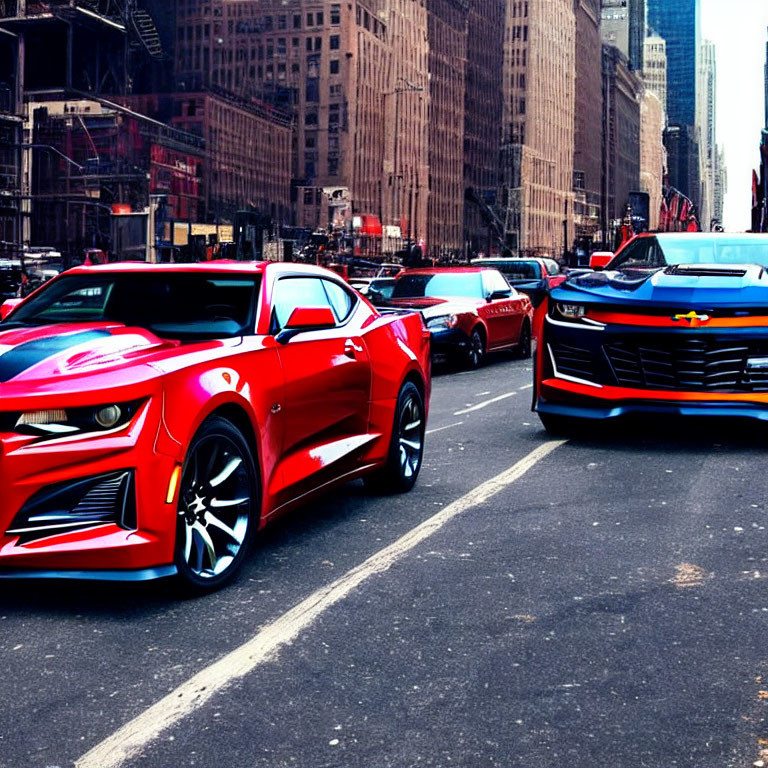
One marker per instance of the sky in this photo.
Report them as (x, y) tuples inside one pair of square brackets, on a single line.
[(738, 29)]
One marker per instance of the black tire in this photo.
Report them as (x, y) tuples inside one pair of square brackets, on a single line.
[(563, 426), (218, 508), (475, 352), (406, 446), (523, 348)]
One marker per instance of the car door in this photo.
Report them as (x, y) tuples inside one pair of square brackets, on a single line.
[(503, 316), (327, 385)]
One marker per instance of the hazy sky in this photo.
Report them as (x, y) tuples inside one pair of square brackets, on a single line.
[(739, 30)]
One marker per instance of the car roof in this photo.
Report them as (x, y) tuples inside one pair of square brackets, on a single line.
[(510, 260), (441, 271), (222, 266)]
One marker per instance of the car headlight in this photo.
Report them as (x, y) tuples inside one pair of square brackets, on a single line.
[(571, 311), (442, 322), (61, 421)]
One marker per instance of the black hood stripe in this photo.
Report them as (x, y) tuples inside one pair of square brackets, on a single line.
[(23, 357)]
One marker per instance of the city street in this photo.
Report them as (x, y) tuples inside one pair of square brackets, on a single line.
[(604, 602)]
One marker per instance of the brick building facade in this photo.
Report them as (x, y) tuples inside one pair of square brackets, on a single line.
[(539, 82)]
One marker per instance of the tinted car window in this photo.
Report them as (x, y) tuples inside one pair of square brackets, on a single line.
[(494, 281), (172, 304), (463, 284), (341, 301), (644, 253), (292, 292), (521, 270), (553, 268), (700, 249)]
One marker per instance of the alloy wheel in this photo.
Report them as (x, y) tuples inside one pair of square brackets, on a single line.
[(410, 436), (215, 505), (475, 350)]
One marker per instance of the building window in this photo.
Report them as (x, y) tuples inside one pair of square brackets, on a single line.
[(310, 19), (297, 21), (334, 66), (335, 14), (335, 42), (309, 195)]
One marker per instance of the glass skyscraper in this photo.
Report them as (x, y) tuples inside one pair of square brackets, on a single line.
[(679, 23)]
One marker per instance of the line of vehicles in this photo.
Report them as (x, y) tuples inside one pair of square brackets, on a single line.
[(153, 418)]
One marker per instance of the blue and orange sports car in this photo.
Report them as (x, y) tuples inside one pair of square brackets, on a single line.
[(674, 324), (153, 418)]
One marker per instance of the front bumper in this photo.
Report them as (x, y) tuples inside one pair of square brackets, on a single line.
[(448, 341), (41, 480), (619, 370)]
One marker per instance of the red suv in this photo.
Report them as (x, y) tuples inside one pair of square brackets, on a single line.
[(468, 310)]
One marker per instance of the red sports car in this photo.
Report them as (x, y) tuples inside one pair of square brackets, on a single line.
[(153, 418), (469, 310)]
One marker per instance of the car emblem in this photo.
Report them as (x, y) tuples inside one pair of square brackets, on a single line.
[(692, 318)]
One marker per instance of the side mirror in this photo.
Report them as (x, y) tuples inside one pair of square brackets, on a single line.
[(306, 319), (600, 259), (8, 306)]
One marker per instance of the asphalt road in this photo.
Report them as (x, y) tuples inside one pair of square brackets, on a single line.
[(602, 604)]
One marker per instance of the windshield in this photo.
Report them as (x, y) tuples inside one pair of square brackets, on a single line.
[(171, 304), (519, 270), (656, 252), (463, 284)]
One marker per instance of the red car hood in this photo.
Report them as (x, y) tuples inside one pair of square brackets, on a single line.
[(47, 353)]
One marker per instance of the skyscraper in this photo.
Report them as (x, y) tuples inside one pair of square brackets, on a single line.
[(537, 149), (655, 68), (707, 136), (679, 23), (623, 25)]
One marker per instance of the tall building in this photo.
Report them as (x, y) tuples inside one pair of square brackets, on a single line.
[(707, 135), (10, 142), (537, 145), (655, 68), (587, 142), (482, 122), (624, 25), (678, 22), (652, 154), (622, 91), (354, 76), (406, 117), (721, 186), (447, 33)]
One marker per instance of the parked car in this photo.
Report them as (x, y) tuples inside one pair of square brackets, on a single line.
[(376, 289), (673, 324), (534, 277), (470, 311), (153, 417)]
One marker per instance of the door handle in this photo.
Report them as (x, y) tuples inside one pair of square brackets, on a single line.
[(350, 348)]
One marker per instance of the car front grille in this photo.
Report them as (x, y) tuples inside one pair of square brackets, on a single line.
[(574, 361), (77, 505), (673, 363)]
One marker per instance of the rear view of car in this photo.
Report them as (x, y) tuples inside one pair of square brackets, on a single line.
[(533, 277), (469, 311)]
